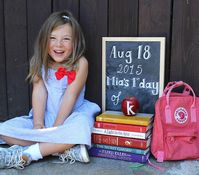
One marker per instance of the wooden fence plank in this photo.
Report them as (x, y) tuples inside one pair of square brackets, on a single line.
[(155, 21), (37, 12), (34, 22), (185, 45), (3, 101), (16, 56), (122, 18), (71, 5), (93, 19)]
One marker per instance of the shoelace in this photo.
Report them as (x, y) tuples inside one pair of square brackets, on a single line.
[(65, 157), (15, 160)]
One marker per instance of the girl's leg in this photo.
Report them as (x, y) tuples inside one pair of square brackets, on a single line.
[(67, 151), (39, 150), (45, 148), (64, 151), (52, 148), (14, 141)]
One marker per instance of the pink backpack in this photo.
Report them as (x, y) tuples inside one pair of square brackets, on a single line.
[(176, 124)]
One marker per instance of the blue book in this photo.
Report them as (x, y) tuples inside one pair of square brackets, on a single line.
[(124, 149)]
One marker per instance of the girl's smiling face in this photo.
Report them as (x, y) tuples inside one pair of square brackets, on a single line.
[(61, 43)]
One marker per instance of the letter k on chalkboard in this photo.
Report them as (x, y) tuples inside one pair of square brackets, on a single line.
[(132, 66)]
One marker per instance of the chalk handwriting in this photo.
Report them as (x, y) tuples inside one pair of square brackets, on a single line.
[(115, 98)]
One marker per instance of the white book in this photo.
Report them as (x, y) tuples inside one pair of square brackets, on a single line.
[(129, 134)]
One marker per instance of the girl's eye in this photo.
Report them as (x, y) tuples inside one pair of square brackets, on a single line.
[(66, 39), (52, 38)]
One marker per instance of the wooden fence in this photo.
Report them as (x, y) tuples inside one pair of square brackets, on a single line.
[(20, 20)]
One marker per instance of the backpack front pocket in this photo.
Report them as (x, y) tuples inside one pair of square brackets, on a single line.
[(179, 145)]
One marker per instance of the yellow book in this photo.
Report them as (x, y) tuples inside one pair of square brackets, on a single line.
[(142, 119)]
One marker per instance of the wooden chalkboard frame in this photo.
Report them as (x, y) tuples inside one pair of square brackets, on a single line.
[(133, 39)]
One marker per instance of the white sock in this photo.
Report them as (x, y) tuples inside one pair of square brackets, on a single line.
[(34, 152)]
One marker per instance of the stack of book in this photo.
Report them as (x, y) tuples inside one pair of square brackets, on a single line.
[(122, 137)]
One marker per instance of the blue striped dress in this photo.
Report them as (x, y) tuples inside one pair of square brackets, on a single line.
[(76, 129)]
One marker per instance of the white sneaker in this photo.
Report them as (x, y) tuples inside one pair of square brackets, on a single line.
[(78, 152), (13, 158)]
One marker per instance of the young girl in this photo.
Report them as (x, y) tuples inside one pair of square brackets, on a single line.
[(61, 120)]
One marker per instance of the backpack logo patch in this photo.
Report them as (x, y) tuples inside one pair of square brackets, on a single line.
[(181, 115)]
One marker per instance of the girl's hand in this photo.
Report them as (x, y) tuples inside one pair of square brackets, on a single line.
[(56, 124), (38, 126)]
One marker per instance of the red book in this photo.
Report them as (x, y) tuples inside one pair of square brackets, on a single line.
[(121, 141), (123, 127)]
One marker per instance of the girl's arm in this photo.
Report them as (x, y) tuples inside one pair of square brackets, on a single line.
[(39, 96), (72, 92)]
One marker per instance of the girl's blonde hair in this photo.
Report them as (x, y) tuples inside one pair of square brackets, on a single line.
[(41, 56)]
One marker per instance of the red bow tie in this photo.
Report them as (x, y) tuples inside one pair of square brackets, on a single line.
[(61, 72)]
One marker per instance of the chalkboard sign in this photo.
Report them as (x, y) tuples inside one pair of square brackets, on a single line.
[(132, 66)]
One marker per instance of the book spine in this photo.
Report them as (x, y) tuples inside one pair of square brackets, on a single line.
[(120, 141), (118, 155), (138, 135), (124, 149), (140, 122), (124, 127)]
